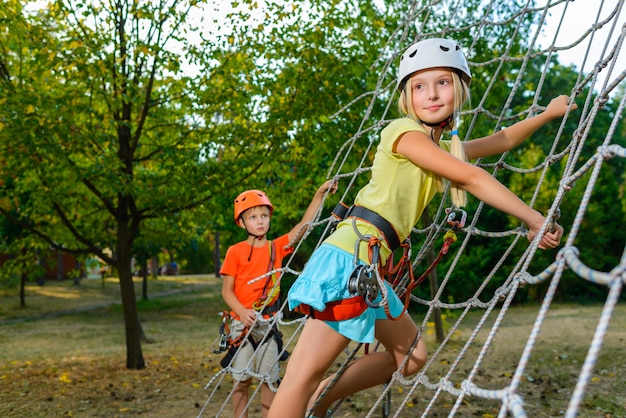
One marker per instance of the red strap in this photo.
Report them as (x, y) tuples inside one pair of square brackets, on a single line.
[(340, 310)]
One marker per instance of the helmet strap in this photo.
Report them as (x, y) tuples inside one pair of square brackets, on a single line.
[(441, 124), (256, 237)]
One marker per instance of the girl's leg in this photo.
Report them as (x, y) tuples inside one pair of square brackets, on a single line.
[(376, 368), (317, 348), (368, 371), (240, 398), (397, 337)]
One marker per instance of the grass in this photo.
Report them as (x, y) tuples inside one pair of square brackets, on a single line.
[(61, 358)]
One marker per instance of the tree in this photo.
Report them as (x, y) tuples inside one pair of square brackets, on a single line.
[(99, 131), (106, 131)]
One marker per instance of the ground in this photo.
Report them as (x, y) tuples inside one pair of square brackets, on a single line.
[(64, 355)]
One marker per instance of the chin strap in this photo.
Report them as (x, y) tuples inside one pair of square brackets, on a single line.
[(252, 246), (441, 124)]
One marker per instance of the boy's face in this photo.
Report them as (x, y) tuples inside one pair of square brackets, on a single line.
[(257, 220)]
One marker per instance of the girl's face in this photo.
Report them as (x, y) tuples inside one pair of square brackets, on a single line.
[(432, 92), (257, 220)]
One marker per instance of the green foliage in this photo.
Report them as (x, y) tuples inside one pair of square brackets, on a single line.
[(131, 127)]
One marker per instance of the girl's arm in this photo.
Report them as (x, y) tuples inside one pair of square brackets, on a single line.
[(423, 152), (510, 137), (297, 231)]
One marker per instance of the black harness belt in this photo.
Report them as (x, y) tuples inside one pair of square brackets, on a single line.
[(273, 308), (369, 216)]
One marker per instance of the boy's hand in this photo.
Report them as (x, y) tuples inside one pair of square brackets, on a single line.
[(247, 317), (329, 185)]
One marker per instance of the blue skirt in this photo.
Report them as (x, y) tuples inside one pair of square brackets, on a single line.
[(325, 279)]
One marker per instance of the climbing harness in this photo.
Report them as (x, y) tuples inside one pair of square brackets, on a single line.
[(225, 340), (339, 310), (342, 211), (223, 336), (366, 281), (231, 345)]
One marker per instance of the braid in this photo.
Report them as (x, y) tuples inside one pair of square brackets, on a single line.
[(457, 194)]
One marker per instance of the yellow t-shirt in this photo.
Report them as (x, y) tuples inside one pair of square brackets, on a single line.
[(398, 190)]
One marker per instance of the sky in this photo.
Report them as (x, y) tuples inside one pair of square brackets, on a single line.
[(579, 16)]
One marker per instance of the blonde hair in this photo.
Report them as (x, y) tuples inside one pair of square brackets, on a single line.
[(461, 95)]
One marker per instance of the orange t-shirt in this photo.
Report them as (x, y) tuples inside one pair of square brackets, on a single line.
[(236, 265)]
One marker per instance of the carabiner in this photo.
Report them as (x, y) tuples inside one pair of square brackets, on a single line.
[(452, 214)]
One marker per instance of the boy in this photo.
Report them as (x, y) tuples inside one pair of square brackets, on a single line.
[(248, 296)]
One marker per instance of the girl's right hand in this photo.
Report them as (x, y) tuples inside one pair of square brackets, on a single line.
[(558, 106)]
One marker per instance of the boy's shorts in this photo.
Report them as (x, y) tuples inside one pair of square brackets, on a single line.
[(264, 362)]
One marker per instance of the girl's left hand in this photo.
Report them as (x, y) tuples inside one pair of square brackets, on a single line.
[(550, 239)]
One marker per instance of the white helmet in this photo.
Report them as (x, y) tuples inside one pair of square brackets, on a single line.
[(431, 53)]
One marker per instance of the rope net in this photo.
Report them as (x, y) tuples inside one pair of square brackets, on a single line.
[(453, 375)]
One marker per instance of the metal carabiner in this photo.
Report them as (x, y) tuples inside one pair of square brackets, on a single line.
[(452, 214)]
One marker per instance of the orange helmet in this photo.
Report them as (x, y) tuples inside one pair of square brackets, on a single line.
[(250, 199)]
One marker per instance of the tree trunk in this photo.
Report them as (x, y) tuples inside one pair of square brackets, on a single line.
[(134, 355), (155, 266), (23, 278)]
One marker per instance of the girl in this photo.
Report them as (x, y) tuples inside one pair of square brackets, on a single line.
[(410, 163)]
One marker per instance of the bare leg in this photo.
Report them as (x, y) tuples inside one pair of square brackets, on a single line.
[(317, 348), (240, 398), (267, 396), (376, 368)]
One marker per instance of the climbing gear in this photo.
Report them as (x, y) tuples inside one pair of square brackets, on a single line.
[(339, 310), (270, 286), (363, 280), (342, 211), (448, 239), (451, 219), (223, 337), (366, 282), (431, 53), (250, 199), (227, 343), (245, 335), (555, 218)]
